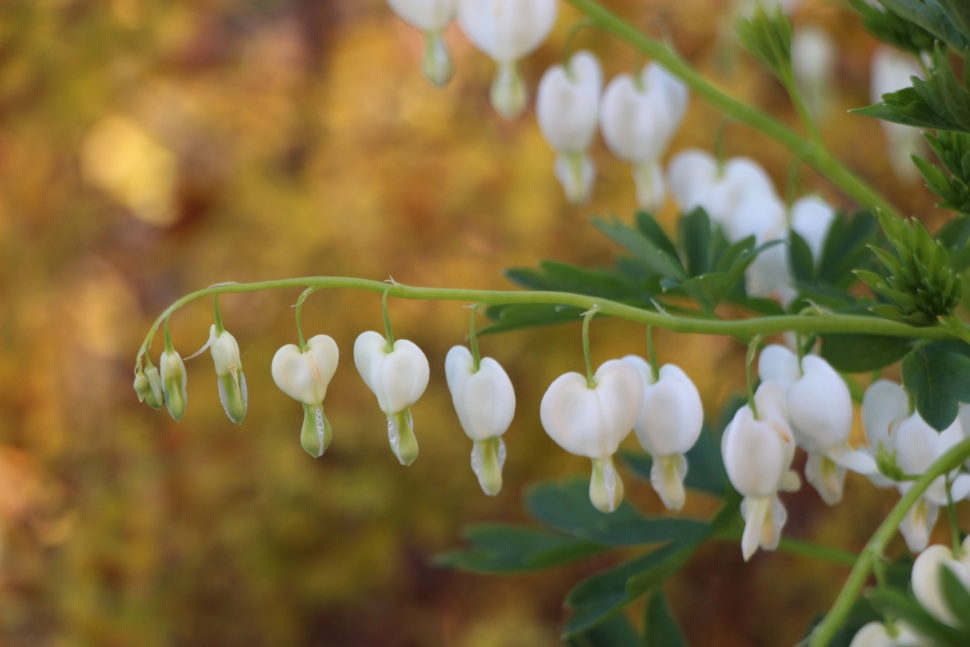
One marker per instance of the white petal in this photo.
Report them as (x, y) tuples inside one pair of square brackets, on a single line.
[(225, 351), (883, 404), (667, 478), (811, 218), (918, 523), (826, 476), (369, 350), (506, 30), (619, 390), (778, 364), (570, 414), (927, 583), (649, 182), (755, 455), (404, 376), (820, 406), (672, 415), (426, 15), (486, 401), (689, 175), (567, 103)]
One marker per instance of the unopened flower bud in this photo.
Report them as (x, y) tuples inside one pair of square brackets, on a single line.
[(229, 373), (148, 386), (397, 376), (174, 383)]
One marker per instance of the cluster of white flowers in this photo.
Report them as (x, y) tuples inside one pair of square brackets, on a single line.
[(927, 584)]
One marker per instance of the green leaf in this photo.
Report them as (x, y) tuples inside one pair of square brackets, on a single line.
[(505, 548), (957, 597), (955, 236), (939, 379), (650, 228), (863, 353), (659, 626), (563, 277), (845, 249), (649, 253), (890, 28), (597, 597), (516, 317), (767, 35), (701, 242), (565, 506), (705, 469), (944, 19), (800, 258), (615, 631)]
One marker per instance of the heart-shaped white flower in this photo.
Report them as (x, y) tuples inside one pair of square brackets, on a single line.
[(927, 580), (305, 376), (668, 425), (507, 30), (592, 419), (397, 376), (696, 180), (485, 402)]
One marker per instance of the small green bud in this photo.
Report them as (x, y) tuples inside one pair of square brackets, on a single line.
[(148, 386), (768, 35), (174, 383)]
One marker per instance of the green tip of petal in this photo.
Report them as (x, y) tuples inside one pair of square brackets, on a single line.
[(400, 434)]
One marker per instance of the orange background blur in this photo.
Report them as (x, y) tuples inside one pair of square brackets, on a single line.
[(152, 147)]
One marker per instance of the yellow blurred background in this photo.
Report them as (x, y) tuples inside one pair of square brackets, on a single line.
[(152, 147)]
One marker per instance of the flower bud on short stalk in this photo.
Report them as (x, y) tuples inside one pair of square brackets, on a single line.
[(304, 375), (431, 17), (485, 402), (567, 107), (232, 381), (668, 425), (507, 30), (757, 454), (927, 579), (397, 375), (172, 370), (638, 117), (591, 419), (148, 387)]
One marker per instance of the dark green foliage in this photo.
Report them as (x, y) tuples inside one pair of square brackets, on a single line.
[(952, 184), (659, 625), (863, 353), (947, 20), (890, 28), (896, 604), (937, 375), (920, 285), (505, 548)]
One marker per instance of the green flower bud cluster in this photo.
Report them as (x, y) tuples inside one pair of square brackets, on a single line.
[(767, 34), (921, 285)]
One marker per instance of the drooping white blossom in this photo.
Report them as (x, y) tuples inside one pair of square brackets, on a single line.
[(893, 70), (507, 30), (758, 453), (876, 634), (814, 55), (667, 427), (638, 117), (485, 402), (304, 375), (567, 107), (884, 405), (820, 413), (811, 218), (592, 419), (232, 381), (397, 375), (927, 579), (174, 382), (431, 17)]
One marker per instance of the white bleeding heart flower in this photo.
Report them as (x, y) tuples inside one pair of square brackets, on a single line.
[(917, 446), (567, 107), (592, 419), (638, 117), (893, 70), (507, 30), (762, 215), (927, 579), (757, 455), (397, 375), (174, 382), (667, 427), (811, 218), (820, 414), (485, 402), (697, 180), (431, 17), (814, 55), (875, 634), (229, 374), (304, 376), (884, 405)]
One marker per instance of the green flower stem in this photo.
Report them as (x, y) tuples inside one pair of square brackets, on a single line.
[(873, 552), (473, 339), (299, 317), (813, 152), (753, 346), (388, 330), (590, 381), (812, 323)]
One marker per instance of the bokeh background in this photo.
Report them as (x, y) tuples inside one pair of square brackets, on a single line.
[(152, 147)]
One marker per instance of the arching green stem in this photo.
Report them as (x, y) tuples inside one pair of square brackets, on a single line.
[(749, 374), (652, 355), (873, 552), (816, 322), (813, 152), (217, 314)]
